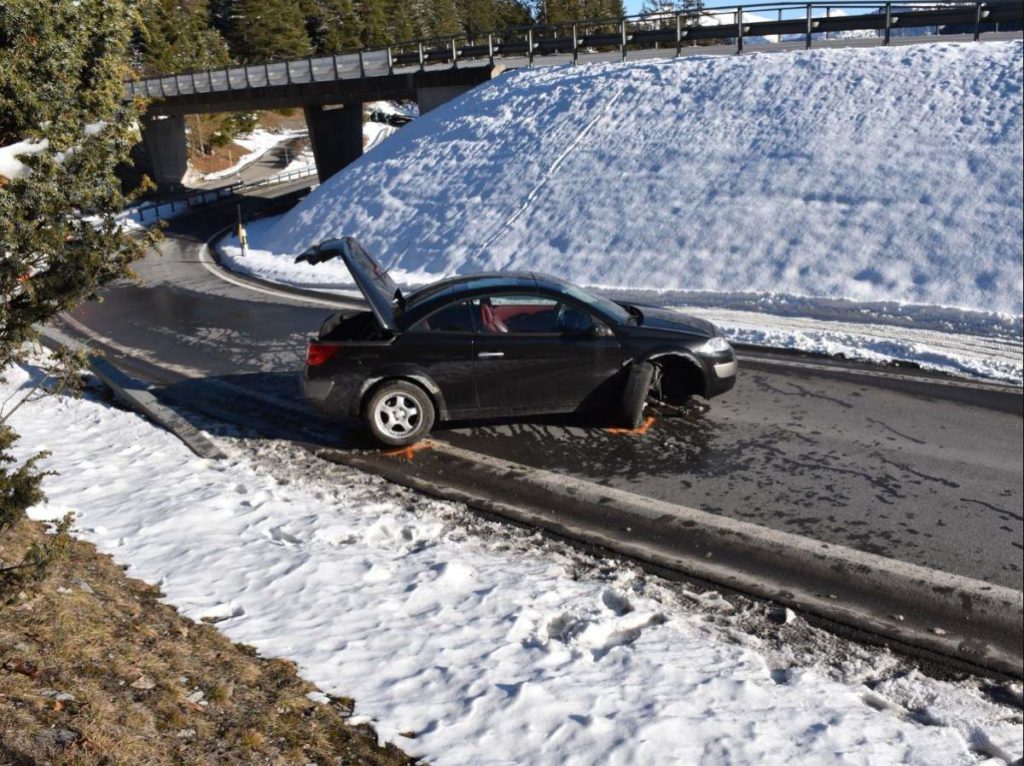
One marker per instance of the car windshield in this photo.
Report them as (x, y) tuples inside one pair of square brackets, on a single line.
[(607, 307)]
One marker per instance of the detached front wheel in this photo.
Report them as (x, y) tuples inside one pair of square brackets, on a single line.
[(399, 413), (634, 394)]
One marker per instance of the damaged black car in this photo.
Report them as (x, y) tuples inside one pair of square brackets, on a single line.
[(500, 345)]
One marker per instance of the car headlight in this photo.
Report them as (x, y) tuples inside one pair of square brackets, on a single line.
[(716, 345)]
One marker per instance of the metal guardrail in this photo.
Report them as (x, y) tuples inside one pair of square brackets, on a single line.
[(154, 211), (799, 22)]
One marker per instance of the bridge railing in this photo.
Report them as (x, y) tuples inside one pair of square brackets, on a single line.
[(765, 24), (150, 212)]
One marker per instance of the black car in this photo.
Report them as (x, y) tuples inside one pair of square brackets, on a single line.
[(499, 345)]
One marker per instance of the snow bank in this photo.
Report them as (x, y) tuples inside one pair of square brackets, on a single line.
[(883, 174), (490, 646)]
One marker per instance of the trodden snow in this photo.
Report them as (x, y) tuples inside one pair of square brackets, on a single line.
[(869, 176), (485, 643)]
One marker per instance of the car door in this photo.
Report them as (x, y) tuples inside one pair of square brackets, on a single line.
[(536, 354), (441, 347)]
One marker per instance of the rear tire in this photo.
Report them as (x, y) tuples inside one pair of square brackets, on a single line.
[(398, 413), (634, 394)]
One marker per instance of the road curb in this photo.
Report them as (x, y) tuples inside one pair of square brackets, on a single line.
[(978, 625), (136, 395), (211, 258)]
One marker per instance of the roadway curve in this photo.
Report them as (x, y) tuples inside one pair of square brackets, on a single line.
[(917, 468)]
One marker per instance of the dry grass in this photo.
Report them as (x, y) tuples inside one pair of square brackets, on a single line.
[(219, 158), (95, 670)]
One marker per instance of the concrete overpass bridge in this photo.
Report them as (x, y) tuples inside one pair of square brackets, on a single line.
[(331, 89)]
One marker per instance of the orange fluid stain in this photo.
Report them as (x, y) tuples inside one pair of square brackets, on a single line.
[(408, 453), (633, 431)]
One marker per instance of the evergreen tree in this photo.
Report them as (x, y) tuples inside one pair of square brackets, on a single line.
[(443, 19), (262, 30), (406, 21), (374, 16), (176, 37), (62, 65), (333, 25)]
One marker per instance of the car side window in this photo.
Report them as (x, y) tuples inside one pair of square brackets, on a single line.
[(458, 317), (499, 314)]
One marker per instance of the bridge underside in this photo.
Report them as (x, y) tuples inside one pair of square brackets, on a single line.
[(333, 111)]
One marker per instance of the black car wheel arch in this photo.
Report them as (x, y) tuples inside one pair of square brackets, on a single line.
[(678, 377)]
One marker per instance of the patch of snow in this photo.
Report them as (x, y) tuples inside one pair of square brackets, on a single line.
[(12, 167), (492, 645), (953, 353)]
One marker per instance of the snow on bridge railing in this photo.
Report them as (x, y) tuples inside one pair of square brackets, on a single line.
[(763, 23)]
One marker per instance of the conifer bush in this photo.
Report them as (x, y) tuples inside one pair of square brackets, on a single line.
[(62, 65)]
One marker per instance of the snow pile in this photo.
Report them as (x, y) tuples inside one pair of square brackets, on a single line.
[(491, 649), (882, 174)]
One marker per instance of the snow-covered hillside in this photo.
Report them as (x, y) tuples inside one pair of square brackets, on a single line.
[(884, 174)]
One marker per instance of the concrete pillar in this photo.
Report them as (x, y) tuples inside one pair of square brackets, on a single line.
[(166, 151), (432, 96), (336, 133)]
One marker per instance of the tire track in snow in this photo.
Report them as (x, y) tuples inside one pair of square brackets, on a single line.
[(532, 196)]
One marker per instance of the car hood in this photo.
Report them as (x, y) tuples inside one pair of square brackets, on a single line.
[(673, 321)]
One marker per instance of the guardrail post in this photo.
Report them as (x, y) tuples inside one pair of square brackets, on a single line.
[(337, 70), (362, 65), (888, 21), (391, 61), (288, 72), (490, 48), (455, 55), (977, 22), (622, 41), (191, 75), (739, 30), (529, 44), (161, 81), (266, 72), (575, 46), (810, 25), (309, 66), (679, 33), (423, 63)]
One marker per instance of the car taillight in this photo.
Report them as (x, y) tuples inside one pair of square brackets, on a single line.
[(318, 353)]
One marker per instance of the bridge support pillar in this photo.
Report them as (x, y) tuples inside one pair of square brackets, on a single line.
[(432, 96), (336, 133), (166, 152)]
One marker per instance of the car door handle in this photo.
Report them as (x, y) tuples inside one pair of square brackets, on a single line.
[(490, 354)]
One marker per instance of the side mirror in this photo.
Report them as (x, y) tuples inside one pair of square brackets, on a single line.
[(601, 330)]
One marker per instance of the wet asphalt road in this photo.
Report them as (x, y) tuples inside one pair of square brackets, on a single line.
[(907, 468)]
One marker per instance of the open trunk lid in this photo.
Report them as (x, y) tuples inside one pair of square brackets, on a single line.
[(377, 287)]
